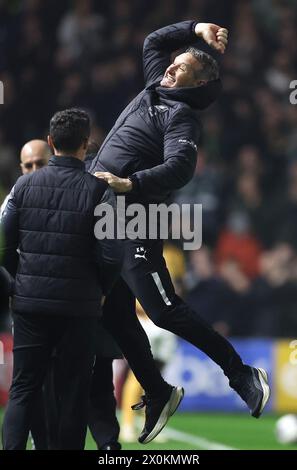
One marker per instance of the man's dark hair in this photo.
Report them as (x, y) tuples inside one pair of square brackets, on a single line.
[(69, 129), (210, 68)]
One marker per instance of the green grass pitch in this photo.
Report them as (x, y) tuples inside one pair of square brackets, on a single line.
[(210, 430)]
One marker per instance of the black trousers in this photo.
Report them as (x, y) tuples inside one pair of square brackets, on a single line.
[(45, 422), (103, 422), (120, 319), (35, 338), (145, 276), (39, 428), (102, 419)]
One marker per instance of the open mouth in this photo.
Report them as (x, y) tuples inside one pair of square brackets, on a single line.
[(168, 80)]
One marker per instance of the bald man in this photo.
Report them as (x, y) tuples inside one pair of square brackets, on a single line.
[(34, 155)]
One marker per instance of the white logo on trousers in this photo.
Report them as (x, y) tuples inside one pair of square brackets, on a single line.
[(140, 253)]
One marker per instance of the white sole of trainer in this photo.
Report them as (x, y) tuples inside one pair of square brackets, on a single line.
[(168, 410), (266, 389)]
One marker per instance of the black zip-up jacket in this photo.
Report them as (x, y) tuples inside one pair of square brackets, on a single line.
[(60, 267), (155, 139)]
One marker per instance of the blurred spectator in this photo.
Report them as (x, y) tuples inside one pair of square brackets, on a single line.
[(237, 244), (81, 33), (261, 209), (220, 297), (277, 288), (206, 188), (286, 223)]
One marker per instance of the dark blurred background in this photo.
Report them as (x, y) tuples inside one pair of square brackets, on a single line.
[(56, 54)]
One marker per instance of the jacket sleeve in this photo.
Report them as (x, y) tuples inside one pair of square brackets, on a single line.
[(180, 157), (4, 205), (9, 227), (159, 45), (109, 252)]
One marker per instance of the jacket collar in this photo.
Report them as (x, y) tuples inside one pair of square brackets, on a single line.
[(70, 162), (196, 97)]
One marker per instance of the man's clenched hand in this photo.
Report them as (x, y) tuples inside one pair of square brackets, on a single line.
[(119, 185), (215, 36)]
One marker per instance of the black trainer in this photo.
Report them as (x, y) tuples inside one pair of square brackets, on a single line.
[(157, 412), (252, 386)]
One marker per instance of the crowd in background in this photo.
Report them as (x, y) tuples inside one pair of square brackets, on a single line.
[(57, 54)]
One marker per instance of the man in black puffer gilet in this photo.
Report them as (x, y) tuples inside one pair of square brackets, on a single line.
[(61, 273)]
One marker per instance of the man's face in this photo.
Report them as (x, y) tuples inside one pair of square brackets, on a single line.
[(32, 163), (183, 72)]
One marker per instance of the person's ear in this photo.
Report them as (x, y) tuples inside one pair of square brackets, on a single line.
[(85, 144), (50, 142)]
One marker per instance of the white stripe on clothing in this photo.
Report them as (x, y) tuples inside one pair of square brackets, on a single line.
[(161, 289)]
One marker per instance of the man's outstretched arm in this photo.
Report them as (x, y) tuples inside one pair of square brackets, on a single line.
[(159, 45)]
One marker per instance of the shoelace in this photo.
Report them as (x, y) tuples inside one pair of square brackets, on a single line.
[(141, 404)]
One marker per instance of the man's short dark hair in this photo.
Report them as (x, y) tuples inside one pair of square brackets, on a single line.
[(210, 68), (69, 129)]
